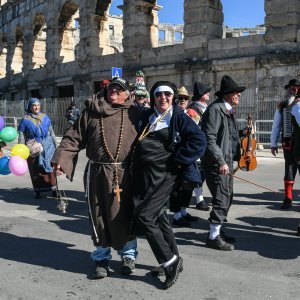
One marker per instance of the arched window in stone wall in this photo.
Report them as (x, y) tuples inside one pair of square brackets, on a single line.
[(243, 18), (69, 30), (3, 55), (39, 44), (170, 32), (115, 27), (110, 26), (17, 59)]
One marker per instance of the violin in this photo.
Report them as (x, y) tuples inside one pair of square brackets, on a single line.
[(248, 161)]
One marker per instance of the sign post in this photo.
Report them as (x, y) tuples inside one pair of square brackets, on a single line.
[(116, 72)]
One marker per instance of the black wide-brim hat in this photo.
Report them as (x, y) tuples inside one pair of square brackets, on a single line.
[(228, 85), (200, 89), (292, 82), (162, 83)]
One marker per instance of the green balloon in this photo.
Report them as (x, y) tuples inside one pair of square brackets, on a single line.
[(8, 134)]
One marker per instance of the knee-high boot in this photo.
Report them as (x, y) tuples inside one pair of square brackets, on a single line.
[(288, 192)]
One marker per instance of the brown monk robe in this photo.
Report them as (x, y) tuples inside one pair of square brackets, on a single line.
[(109, 217)]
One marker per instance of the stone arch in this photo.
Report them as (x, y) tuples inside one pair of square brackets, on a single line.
[(69, 30), (39, 43), (3, 55), (102, 7), (111, 32), (17, 57)]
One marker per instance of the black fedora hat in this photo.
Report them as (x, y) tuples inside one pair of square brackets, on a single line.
[(199, 90), (228, 85), (292, 82)]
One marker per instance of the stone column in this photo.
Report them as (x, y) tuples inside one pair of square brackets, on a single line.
[(203, 21), (282, 20), (89, 36), (28, 51), (53, 45), (140, 23)]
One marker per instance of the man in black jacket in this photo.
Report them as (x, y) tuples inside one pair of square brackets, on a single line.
[(223, 147)]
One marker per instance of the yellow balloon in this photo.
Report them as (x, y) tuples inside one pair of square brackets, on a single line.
[(20, 150)]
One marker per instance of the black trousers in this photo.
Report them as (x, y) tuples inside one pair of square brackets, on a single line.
[(290, 165), (221, 189), (153, 222), (180, 198)]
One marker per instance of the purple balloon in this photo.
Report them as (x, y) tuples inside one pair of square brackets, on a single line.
[(2, 123), (18, 165)]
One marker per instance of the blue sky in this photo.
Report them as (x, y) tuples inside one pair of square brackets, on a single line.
[(237, 13)]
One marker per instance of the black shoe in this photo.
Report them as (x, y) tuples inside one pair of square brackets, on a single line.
[(102, 269), (202, 206), (227, 238), (286, 204), (128, 266), (56, 194), (158, 271), (181, 222), (172, 272), (218, 244), (190, 218), (37, 195)]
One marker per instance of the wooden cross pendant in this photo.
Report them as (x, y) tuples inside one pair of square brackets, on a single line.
[(117, 192)]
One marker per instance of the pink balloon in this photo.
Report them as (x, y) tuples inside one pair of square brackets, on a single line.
[(18, 165)]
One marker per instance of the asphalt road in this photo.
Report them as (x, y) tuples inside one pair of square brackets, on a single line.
[(45, 254)]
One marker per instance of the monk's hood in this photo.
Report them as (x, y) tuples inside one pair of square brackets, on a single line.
[(103, 108)]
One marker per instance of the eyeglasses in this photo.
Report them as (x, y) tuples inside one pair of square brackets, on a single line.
[(159, 94), (183, 98), (116, 87)]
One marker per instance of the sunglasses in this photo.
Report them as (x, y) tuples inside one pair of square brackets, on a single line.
[(183, 98), (159, 94), (116, 87)]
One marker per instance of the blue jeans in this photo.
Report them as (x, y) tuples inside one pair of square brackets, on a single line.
[(129, 250)]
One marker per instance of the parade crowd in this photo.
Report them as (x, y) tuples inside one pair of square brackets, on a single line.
[(150, 151)]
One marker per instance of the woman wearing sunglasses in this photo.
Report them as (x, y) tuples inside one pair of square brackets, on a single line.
[(168, 146)]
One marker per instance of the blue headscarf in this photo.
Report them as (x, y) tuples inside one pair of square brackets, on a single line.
[(30, 102)]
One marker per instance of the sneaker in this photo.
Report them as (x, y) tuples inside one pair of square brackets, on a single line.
[(102, 269), (190, 218), (172, 272), (286, 204), (181, 222), (160, 271), (202, 206), (219, 244), (127, 266), (227, 238)]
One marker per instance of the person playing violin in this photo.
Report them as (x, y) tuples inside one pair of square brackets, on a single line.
[(223, 148)]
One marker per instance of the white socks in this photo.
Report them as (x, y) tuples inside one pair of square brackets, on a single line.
[(177, 215), (169, 262), (198, 193), (214, 231), (183, 211), (180, 214)]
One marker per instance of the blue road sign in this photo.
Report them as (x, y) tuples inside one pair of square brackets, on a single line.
[(116, 72)]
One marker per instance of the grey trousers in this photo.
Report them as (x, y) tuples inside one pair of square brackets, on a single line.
[(221, 189)]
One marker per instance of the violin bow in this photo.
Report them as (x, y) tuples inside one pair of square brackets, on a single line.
[(254, 183)]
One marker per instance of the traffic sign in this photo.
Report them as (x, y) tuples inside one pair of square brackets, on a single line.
[(116, 72)]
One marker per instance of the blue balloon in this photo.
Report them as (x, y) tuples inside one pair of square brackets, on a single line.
[(4, 168)]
